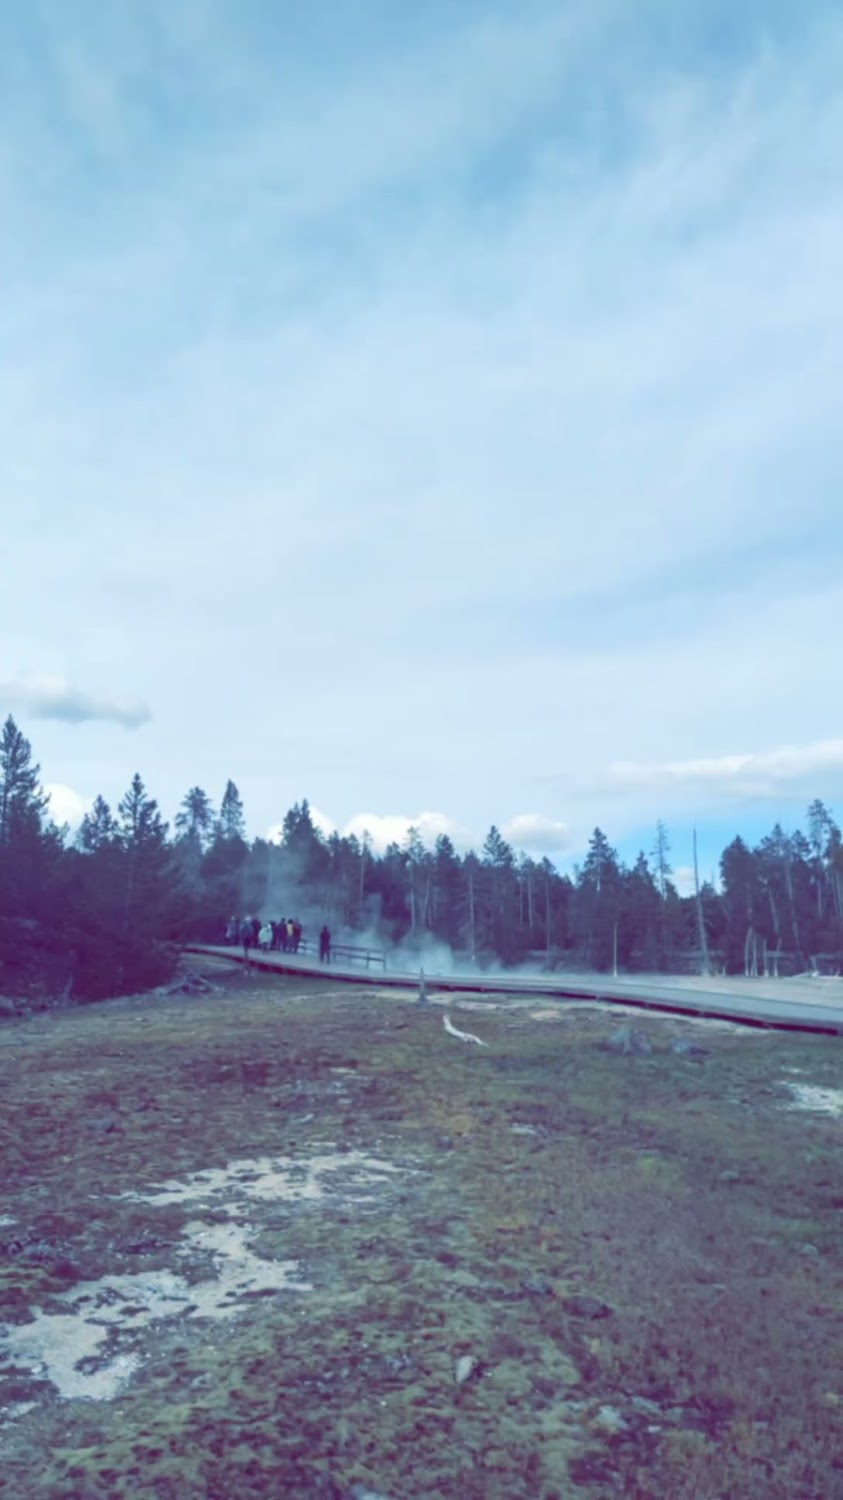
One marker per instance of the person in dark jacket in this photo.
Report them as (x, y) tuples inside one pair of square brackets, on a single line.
[(325, 945)]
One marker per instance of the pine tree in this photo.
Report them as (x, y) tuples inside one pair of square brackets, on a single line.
[(142, 837), (22, 802), (745, 909), (598, 901), (499, 897), (99, 828), (231, 823), (660, 852), (195, 817), (139, 823), (824, 836), (446, 896)]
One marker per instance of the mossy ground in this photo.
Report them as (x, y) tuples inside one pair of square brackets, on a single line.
[(720, 1358)]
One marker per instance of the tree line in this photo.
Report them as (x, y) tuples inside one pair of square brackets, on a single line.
[(106, 910)]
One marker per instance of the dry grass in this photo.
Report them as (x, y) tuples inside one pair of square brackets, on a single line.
[(721, 1356)]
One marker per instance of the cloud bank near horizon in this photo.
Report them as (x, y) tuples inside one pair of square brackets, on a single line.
[(792, 773), (46, 697)]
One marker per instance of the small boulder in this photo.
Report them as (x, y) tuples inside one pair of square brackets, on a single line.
[(537, 1286), (609, 1420), (464, 1368), (628, 1042), (684, 1047), (105, 1124), (582, 1306), (645, 1407)]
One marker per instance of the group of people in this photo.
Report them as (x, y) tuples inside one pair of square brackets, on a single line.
[(283, 936)]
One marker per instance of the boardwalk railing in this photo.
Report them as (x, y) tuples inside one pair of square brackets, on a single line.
[(341, 953), (350, 953)]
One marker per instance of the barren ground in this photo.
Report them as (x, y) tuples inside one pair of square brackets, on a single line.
[(632, 1263)]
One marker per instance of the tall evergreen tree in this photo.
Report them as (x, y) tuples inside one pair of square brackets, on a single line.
[(642, 924), (500, 897), (195, 817), (22, 802), (231, 823), (745, 909), (597, 904), (661, 863), (98, 828), (446, 897), (824, 836)]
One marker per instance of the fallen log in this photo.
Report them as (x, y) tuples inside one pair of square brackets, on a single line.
[(464, 1036)]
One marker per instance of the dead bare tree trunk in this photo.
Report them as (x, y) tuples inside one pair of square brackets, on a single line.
[(472, 941), (774, 914), (705, 961), (426, 902), (750, 953), (788, 876), (362, 890)]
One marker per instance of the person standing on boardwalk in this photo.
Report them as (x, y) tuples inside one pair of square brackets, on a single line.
[(325, 945)]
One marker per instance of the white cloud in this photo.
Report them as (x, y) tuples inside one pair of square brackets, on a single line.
[(321, 822), (66, 805), (531, 832), (791, 771), (393, 828), (383, 828), (537, 834), (683, 879), (46, 697)]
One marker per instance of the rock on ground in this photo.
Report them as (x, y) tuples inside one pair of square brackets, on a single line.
[(629, 1043)]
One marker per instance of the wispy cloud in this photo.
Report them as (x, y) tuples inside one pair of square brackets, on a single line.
[(383, 829), (45, 697), (536, 834), (793, 772), (394, 828), (531, 833)]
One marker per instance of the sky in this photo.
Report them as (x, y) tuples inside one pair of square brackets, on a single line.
[(431, 411)]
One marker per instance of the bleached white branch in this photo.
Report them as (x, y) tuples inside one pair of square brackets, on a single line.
[(464, 1036)]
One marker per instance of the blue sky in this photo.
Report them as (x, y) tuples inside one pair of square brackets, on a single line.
[(432, 411)]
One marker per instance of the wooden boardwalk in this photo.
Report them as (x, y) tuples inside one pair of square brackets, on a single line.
[(788, 1004)]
